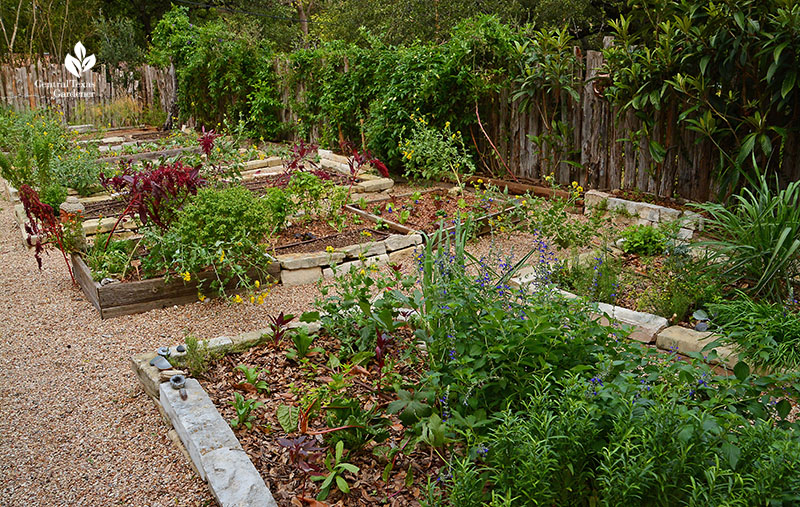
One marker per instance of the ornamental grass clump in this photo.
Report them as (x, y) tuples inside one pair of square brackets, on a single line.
[(757, 240)]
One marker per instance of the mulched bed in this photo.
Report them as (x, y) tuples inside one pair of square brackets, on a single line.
[(316, 235), (432, 207), (289, 381)]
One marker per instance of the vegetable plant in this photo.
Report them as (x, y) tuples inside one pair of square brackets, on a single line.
[(251, 377), (244, 408), (337, 467)]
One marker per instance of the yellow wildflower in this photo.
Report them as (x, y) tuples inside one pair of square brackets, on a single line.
[(237, 299), (363, 272), (187, 277), (447, 124), (579, 189), (252, 299), (329, 249), (574, 184), (261, 299), (524, 202), (222, 256), (258, 284), (201, 297), (366, 233)]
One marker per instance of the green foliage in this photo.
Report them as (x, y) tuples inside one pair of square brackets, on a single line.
[(727, 70), (302, 340), (80, 173), (251, 377), (385, 84), (547, 78), (767, 334), (644, 240), (53, 194), (596, 280), (244, 408), (111, 261), (550, 219), (288, 417), (315, 197), (220, 69), (337, 467), (119, 42), (758, 240), (681, 285), (628, 439), (221, 229), (435, 154)]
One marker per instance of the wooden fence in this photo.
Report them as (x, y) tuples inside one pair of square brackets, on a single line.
[(604, 149), (98, 97)]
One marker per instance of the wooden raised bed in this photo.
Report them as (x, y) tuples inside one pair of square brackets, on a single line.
[(124, 298)]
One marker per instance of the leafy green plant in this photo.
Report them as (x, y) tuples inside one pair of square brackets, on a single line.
[(757, 240), (337, 467), (244, 408), (302, 340), (644, 240), (597, 280), (766, 334), (251, 377), (435, 154)]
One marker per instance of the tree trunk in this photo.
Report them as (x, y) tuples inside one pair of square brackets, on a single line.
[(172, 109)]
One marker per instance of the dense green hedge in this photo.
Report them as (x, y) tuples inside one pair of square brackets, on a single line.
[(725, 71)]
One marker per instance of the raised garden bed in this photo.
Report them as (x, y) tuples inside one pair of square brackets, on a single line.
[(123, 298), (426, 211)]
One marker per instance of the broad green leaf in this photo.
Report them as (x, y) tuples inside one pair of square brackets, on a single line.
[(731, 453), (741, 371)]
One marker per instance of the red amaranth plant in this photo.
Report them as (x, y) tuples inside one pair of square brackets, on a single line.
[(154, 194), (43, 225), (207, 139)]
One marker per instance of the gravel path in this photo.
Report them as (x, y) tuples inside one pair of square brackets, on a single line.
[(75, 426)]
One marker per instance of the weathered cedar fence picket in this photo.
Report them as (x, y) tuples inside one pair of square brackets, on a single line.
[(91, 99)]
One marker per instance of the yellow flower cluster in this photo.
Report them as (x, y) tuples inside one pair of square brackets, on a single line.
[(187, 277), (329, 249), (577, 188), (366, 234)]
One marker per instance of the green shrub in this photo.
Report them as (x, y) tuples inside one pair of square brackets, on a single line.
[(643, 240), (219, 229), (596, 281), (228, 214), (681, 285)]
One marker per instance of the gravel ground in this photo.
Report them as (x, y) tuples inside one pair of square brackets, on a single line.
[(75, 426)]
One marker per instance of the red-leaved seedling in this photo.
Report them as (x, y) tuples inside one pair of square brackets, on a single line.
[(278, 326), (303, 452)]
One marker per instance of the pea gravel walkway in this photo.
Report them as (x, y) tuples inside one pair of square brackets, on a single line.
[(75, 427)]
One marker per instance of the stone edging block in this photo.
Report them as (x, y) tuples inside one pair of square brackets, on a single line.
[(213, 447), (646, 325), (685, 341)]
